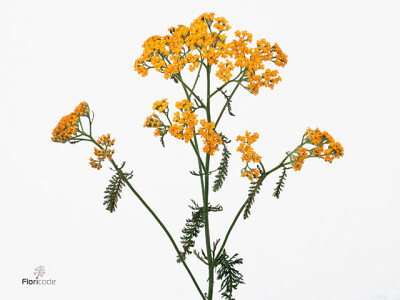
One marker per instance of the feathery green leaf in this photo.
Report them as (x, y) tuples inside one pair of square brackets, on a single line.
[(254, 189), (114, 189), (223, 166), (231, 278), (280, 184), (191, 229), (193, 226)]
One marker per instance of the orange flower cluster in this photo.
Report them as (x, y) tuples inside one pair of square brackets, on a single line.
[(68, 125), (249, 155), (319, 139), (160, 106), (298, 161), (81, 109), (183, 127), (211, 138), (251, 174), (154, 121), (104, 153), (105, 141), (225, 70), (170, 53)]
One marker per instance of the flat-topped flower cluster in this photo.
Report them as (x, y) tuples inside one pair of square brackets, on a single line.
[(204, 42)]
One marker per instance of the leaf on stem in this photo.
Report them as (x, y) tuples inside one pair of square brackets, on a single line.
[(114, 189), (223, 166), (254, 189), (228, 102), (229, 275), (191, 229), (193, 226), (280, 184)]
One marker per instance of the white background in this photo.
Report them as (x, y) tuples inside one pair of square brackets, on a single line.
[(333, 234)]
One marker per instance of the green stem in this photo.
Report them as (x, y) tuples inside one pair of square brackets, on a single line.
[(205, 202), (226, 83), (195, 82), (186, 88), (182, 259), (201, 165), (226, 104), (156, 218), (196, 150), (263, 176)]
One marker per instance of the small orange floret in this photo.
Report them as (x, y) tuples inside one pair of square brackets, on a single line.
[(184, 122), (252, 174), (299, 160), (101, 154), (160, 106), (81, 109), (248, 154)]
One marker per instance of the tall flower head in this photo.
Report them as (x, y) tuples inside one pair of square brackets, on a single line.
[(67, 128), (205, 42)]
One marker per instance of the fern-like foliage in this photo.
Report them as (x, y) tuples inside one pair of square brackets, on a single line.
[(193, 226), (223, 166), (191, 229), (280, 184), (114, 189), (254, 189), (230, 276)]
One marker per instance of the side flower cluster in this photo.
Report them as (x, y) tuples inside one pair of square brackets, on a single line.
[(204, 41), (249, 155), (183, 121), (153, 121), (160, 106), (104, 152), (67, 128), (324, 146), (298, 161), (211, 138), (320, 139)]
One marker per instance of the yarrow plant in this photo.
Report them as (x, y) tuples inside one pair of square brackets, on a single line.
[(204, 46)]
